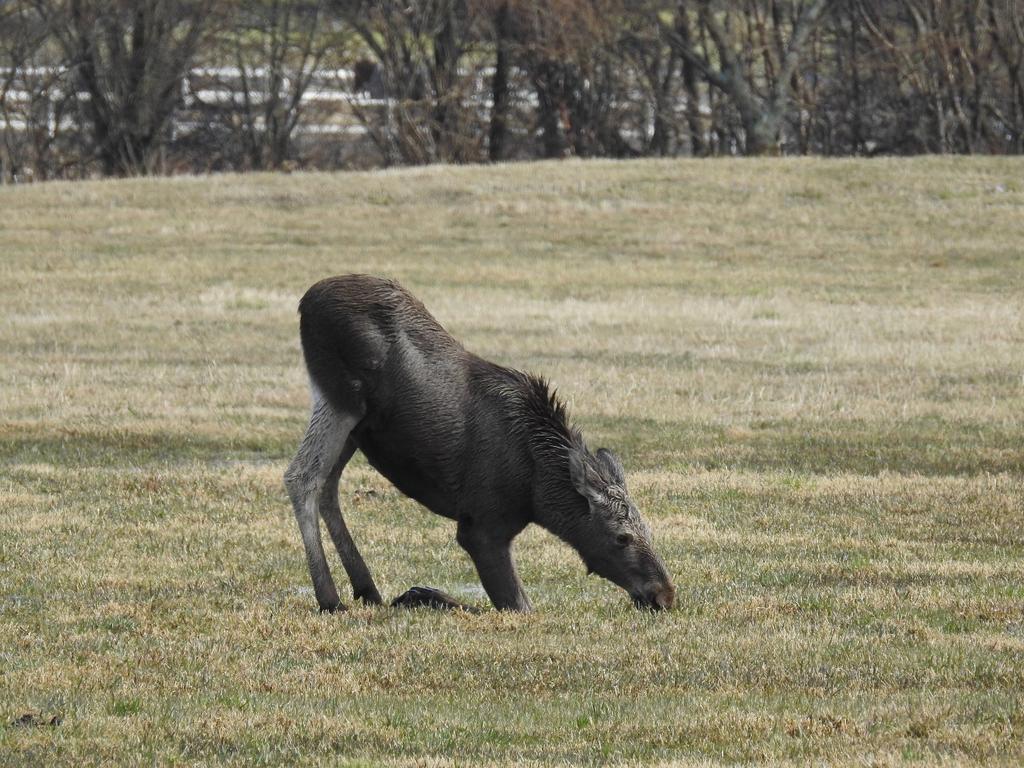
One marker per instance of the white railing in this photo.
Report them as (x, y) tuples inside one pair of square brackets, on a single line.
[(224, 88)]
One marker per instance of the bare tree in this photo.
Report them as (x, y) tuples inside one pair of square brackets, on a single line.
[(956, 67), (275, 48), (500, 95), (649, 81), (423, 51), (34, 96), (573, 51), (1006, 29), (137, 86), (129, 57), (752, 54)]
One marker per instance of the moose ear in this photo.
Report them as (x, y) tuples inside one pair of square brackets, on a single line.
[(584, 479), (612, 466)]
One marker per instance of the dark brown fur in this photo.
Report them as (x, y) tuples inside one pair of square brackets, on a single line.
[(484, 445)]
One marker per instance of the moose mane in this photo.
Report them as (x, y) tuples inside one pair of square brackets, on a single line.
[(537, 414)]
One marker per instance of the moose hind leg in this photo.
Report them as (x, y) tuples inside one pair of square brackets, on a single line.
[(305, 479), (363, 587)]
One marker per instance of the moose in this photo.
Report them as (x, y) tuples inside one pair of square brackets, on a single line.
[(481, 444)]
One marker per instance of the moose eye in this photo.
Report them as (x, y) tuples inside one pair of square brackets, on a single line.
[(624, 539)]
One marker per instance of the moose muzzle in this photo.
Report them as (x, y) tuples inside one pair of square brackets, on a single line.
[(656, 597)]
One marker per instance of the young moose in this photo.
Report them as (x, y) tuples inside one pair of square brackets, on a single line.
[(486, 446)]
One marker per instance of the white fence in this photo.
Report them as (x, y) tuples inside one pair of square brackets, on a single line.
[(28, 97)]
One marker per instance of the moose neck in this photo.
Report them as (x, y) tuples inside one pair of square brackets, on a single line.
[(558, 507), (543, 423)]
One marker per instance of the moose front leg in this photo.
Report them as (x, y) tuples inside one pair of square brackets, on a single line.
[(492, 557)]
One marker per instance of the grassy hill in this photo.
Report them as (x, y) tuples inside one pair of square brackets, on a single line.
[(813, 371)]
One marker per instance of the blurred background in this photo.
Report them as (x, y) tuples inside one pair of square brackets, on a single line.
[(91, 88)]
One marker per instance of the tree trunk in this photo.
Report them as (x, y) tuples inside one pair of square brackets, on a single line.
[(857, 138), (698, 147), (546, 78), (762, 133), (499, 87), (444, 57)]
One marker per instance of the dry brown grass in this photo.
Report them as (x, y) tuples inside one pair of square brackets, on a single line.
[(814, 371)]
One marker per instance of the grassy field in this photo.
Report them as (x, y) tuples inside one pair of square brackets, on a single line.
[(813, 371)]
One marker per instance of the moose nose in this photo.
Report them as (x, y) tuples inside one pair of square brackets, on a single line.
[(659, 598), (664, 597)]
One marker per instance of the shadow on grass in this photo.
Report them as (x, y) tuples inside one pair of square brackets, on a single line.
[(923, 446), (83, 446)]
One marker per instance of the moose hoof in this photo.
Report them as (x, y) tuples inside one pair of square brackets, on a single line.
[(428, 597), (336, 608), (368, 597)]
